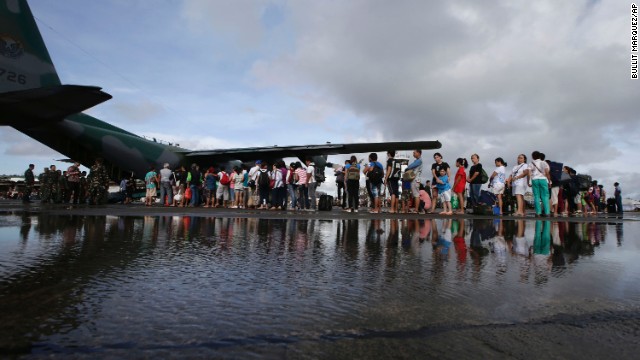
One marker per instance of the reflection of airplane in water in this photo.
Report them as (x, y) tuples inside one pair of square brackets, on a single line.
[(35, 103)]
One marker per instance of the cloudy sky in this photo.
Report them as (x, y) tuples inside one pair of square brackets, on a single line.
[(497, 78)]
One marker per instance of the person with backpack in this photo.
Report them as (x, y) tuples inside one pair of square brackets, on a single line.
[(375, 172), (477, 177), (352, 174), (278, 191), (222, 192), (263, 185), (391, 179)]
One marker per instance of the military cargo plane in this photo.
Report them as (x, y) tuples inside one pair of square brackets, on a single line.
[(34, 101)]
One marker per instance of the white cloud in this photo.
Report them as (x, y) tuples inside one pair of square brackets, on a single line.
[(496, 78)]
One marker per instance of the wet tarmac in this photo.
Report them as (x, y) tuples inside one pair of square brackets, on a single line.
[(136, 282)]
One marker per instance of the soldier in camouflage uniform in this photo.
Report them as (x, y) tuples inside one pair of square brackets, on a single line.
[(45, 189), (29, 181), (54, 184), (98, 183)]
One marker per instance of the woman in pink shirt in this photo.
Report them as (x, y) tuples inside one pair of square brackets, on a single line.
[(303, 190)]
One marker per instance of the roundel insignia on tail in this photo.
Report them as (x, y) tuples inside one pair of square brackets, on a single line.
[(10, 47)]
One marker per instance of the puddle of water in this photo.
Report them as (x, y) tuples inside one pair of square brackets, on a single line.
[(152, 286)]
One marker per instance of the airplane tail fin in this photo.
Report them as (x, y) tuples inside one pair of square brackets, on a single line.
[(30, 88), (24, 59)]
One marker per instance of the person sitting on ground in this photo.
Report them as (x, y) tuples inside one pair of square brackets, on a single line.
[(425, 198)]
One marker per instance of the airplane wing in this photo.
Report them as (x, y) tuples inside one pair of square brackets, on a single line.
[(302, 151), (51, 103)]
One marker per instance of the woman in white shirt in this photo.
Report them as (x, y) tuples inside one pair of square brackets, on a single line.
[(497, 181), (539, 175), (237, 179), (518, 180)]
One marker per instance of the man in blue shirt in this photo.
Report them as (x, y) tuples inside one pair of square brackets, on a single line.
[(375, 172)]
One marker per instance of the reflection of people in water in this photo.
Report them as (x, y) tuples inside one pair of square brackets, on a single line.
[(520, 243), (394, 236), (542, 251), (410, 233), (443, 240), (499, 247), (425, 229), (558, 250), (460, 245), (25, 226)]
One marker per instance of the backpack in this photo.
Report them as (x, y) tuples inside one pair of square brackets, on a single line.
[(340, 175), (353, 173), (263, 179), (224, 179), (396, 168), (375, 175), (484, 177)]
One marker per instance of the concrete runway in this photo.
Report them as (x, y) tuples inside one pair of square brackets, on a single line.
[(138, 209)]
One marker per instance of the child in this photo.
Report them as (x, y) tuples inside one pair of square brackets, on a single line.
[(406, 195), (460, 182), (444, 191), (425, 198)]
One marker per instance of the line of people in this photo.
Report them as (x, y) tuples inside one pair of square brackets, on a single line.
[(411, 191), (263, 186)]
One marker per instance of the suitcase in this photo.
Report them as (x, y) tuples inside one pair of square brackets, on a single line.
[(611, 206), (325, 203), (487, 197)]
